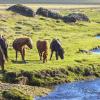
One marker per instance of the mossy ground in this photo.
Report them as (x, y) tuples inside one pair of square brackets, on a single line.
[(16, 95), (23, 92), (73, 37)]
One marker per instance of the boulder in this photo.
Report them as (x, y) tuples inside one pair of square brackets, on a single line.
[(22, 10), (47, 13), (68, 19), (79, 16)]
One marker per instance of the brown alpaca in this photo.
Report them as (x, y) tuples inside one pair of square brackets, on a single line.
[(42, 50), (19, 46)]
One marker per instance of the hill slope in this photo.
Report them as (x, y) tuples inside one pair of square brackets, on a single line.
[(73, 37)]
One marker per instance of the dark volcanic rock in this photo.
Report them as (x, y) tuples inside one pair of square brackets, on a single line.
[(84, 51), (68, 19), (79, 16), (47, 13), (23, 10)]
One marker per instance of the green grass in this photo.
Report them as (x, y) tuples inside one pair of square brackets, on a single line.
[(73, 37)]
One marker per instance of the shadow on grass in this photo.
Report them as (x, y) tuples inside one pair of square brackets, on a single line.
[(34, 61), (27, 61), (98, 22), (3, 72), (18, 62)]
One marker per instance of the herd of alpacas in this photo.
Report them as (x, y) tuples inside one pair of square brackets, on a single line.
[(19, 46)]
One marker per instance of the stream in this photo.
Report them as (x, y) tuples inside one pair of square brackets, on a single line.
[(96, 51), (83, 90)]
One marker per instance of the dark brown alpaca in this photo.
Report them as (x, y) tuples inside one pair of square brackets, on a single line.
[(56, 47), (19, 46), (3, 52), (2, 59), (42, 50)]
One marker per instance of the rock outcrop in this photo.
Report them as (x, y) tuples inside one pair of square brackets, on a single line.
[(79, 16), (68, 19), (22, 10), (47, 13)]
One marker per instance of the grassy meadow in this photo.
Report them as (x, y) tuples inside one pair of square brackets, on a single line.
[(73, 37)]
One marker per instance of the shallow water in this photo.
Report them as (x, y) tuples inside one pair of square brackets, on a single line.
[(98, 37), (96, 51), (84, 90)]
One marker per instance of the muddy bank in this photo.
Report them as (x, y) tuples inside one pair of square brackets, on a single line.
[(52, 77)]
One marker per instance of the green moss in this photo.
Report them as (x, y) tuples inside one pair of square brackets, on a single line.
[(15, 94), (37, 82)]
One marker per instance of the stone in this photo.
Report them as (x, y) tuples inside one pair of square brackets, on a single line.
[(22, 10), (47, 13), (79, 16)]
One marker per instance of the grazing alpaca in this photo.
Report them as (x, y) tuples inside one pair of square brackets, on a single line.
[(3, 52), (42, 50), (2, 59), (19, 46), (56, 46)]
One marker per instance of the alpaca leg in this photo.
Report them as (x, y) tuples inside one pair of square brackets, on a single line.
[(2, 66), (16, 55), (44, 57), (43, 60), (40, 56), (56, 55), (23, 54), (51, 55)]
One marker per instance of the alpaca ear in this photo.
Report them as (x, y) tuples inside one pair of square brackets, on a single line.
[(2, 36)]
